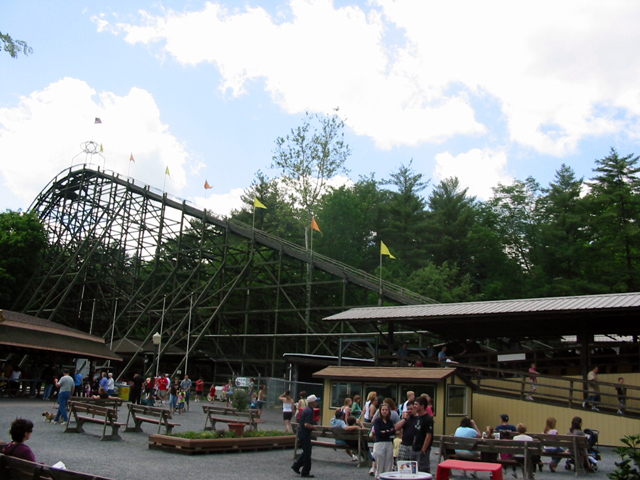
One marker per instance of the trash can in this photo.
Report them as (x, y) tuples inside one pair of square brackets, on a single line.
[(123, 391)]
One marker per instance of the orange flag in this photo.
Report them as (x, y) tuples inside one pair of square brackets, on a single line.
[(314, 225), (206, 185), (131, 158)]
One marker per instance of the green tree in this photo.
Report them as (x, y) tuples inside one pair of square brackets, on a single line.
[(348, 216), (22, 241), (615, 207), (313, 153), (406, 220), (442, 283), (516, 207), (562, 251), (14, 47), (449, 223)]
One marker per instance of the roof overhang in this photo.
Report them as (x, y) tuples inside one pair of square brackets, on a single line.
[(539, 317), (397, 375), (24, 332)]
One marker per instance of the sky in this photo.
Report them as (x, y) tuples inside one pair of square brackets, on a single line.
[(485, 91)]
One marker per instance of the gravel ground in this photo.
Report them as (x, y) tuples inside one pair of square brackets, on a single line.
[(130, 459)]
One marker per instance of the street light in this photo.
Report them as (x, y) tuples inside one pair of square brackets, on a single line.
[(157, 338)]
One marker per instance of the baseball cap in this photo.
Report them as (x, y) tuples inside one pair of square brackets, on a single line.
[(313, 398), (504, 417)]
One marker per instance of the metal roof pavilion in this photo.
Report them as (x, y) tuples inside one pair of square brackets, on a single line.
[(617, 313)]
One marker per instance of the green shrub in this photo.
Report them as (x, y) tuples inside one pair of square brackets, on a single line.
[(629, 467)]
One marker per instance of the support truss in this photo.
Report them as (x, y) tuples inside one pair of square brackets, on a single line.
[(126, 260)]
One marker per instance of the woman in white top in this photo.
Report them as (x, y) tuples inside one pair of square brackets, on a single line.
[(288, 406)]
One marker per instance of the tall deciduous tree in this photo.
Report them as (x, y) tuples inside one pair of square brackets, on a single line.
[(309, 156), (22, 240), (615, 202)]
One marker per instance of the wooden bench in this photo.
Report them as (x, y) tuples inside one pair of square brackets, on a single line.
[(143, 414), (103, 402), (228, 415), (490, 451), (107, 417), (572, 444), (12, 468), (335, 433)]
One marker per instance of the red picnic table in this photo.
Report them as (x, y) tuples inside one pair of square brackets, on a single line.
[(445, 467)]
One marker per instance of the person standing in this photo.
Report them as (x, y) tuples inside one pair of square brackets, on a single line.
[(136, 389), (111, 385), (594, 390), (66, 386), (533, 374), (78, 383), (262, 397), (621, 391), (49, 380), (104, 382), (288, 406), (307, 425), (408, 431), (199, 389), (411, 397), (385, 431), (421, 448), (163, 386), (186, 386)]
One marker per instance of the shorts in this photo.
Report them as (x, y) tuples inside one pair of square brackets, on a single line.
[(162, 393), (260, 404), (199, 392), (287, 415)]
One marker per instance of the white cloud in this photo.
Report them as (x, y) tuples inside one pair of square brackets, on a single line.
[(40, 137), (221, 204), (478, 170), (322, 58), (407, 72)]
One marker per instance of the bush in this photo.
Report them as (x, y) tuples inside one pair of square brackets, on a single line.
[(629, 467), (239, 399)]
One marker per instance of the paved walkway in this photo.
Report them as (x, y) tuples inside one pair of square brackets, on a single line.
[(130, 459)]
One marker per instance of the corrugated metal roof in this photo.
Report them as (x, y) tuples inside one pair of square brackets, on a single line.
[(497, 307), (417, 375)]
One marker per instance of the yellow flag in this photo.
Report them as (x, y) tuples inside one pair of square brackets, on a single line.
[(314, 225), (206, 185), (101, 149), (384, 250), (258, 203), (166, 171)]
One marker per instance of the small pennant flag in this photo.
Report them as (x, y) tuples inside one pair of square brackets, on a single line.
[(384, 250), (131, 159), (97, 120), (258, 203), (166, 171), (101, 149), (314, 225), (206, 185)]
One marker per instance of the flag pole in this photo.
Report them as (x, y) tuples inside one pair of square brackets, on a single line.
[(380, 293)]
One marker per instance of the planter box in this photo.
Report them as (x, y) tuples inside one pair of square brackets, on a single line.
[(188, 446)]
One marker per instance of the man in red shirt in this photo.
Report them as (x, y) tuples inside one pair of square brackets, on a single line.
[(163, 386)]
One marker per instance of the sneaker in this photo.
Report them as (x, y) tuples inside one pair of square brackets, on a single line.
[(620, 412), (595, 409), (295, 469), (354, 458), (529, 397), (473, 474), (584, 404), (514, 475), (372, 471)]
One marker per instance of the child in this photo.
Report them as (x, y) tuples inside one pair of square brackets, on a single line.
[(181, 400), (532, 378), (199, 389), (212, 394)]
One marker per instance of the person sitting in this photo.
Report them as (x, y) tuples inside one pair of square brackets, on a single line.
[(576, 429), (338, 422), (521, 437), (468, 429), (20, 432), (102, 393), (550, 429)]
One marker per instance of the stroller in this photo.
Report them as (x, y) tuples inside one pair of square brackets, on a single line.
[(593, 454)]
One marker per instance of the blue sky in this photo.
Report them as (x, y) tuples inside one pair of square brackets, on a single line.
[(486, 91)]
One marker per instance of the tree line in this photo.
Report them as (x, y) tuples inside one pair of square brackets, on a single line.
[(575, 236)]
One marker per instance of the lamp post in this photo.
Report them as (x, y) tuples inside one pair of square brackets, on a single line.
[(157, 338)]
